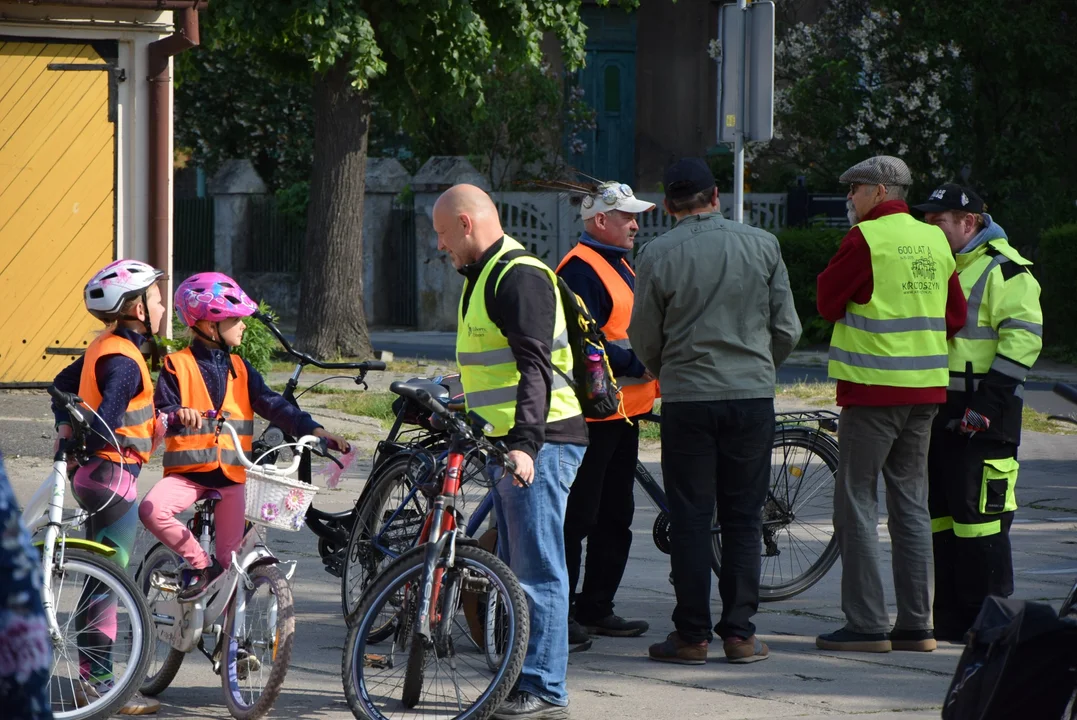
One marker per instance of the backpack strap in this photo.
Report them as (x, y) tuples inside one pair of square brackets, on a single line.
[(496, 271)]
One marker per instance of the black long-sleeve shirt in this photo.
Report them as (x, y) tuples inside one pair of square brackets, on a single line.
[(523, 310)]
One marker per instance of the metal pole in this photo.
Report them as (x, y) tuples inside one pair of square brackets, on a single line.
[(738, 151)]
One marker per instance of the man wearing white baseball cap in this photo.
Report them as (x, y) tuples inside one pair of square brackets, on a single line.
[(600, 504)]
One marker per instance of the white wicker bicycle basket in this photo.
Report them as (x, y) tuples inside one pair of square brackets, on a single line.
[(277, 502)]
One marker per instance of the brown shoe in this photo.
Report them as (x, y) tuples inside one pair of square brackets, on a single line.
[(138, 704), (745, 650), (675, 650)]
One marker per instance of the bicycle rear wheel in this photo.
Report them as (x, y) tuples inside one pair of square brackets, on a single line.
[(450, 674), (105, 650)]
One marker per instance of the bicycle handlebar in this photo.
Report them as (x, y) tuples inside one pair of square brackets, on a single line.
[(317, 445), (1069, 392), (71, 403), (364, 367), (472, 426)]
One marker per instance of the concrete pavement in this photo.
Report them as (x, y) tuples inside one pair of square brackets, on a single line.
[(615, 680)]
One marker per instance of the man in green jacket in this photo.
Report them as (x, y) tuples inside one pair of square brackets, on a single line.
[(972, 464), (713, 318)]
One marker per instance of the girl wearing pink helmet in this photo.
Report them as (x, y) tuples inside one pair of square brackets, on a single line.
[(112, 377), (207, 376)]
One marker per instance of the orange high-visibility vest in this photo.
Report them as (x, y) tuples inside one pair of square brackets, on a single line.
[(135, 436), (637, 394), (193, 450)]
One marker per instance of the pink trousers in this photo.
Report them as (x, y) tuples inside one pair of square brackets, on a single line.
[(174, 494)]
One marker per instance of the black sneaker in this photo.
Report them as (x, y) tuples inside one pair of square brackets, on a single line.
[(576, 633), (913, 640), (852, 641), (526, 705), (195, 582), (616, 626)]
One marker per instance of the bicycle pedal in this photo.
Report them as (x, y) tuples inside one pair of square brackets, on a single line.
[(164, 581), (378, 662)]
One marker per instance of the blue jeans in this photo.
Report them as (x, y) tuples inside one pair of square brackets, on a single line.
[(531, 539)]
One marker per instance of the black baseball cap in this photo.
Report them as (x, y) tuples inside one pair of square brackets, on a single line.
[(952, 196), (687, 177)]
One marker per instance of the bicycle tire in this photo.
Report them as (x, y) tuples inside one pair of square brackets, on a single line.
[(117, 581), (1067, 609), (826, 449), (824, 446), (387, 583), (357, 565), (158, 682), (284, 636)]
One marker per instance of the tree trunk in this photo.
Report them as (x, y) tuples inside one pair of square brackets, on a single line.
[(332, 320)]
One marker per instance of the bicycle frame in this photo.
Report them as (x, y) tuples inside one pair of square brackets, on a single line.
[(439, 527), (181, 624), (46, 509)]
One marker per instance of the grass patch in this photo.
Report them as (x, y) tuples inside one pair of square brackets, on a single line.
[(1035, 421), (377, 405), (819, 392)]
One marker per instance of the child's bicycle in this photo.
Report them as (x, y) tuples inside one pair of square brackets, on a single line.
[(455, 615), (97, 618), (251, 649)]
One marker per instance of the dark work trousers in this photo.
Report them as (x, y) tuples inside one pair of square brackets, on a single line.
[(716, 452), (972, 548), (600, 508)]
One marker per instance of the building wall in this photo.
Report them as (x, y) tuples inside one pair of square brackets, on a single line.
[(134, 30), (676, 85)]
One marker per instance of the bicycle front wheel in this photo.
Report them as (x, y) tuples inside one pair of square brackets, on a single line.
[(471, 660), (104, 649), (259, 628)]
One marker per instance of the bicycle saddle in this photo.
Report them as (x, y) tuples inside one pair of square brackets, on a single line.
[(438, 392), (210, 496)]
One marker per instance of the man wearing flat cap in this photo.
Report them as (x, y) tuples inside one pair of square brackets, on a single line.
[(894, 297), (601, 504), (972, 466), (713, 319)]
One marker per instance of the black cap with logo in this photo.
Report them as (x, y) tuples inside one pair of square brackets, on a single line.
[(952, 196)]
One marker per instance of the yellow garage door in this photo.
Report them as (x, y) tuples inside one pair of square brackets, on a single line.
[(57, 216)]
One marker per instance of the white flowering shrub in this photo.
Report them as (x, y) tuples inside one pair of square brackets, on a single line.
[(855, 84)]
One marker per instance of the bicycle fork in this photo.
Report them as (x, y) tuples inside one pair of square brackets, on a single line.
[(430, 582), (56, 510)]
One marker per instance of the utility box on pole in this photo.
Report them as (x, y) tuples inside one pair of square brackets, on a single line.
[(747, 38)]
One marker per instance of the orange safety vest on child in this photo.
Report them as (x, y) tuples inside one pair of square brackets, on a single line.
[(637, 394), (193, 450), (136, 434)]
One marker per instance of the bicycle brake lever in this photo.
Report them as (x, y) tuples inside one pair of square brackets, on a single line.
[(360, 379)]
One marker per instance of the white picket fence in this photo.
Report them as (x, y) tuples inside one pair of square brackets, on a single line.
[(548, 225)]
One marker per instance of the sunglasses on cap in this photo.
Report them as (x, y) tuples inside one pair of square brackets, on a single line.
[(611, 195)]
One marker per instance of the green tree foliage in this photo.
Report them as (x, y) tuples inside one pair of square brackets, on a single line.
[(415, 57)]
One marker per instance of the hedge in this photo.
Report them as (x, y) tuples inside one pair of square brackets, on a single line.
[(806, 253), (1056, 268)]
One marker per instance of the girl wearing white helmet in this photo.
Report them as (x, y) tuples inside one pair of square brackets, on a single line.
[(113, 379)]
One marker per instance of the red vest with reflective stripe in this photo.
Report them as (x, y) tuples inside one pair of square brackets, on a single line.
[(636, 394), (135, 436), (193, 450)]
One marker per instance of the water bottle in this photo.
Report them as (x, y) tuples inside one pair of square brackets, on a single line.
[(596, 374)]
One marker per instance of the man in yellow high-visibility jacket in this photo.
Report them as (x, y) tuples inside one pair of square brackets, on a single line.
[(894, 297), (972, 465), (514, 356)]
